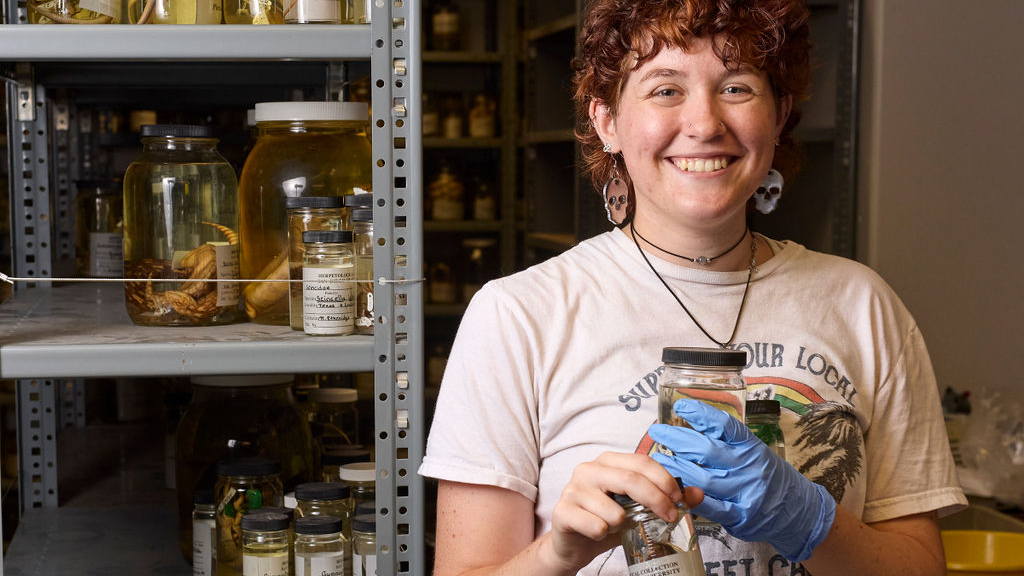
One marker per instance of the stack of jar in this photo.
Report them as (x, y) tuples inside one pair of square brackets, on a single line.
[(294, 222)]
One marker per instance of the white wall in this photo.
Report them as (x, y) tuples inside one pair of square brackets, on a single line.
[(941, 177)]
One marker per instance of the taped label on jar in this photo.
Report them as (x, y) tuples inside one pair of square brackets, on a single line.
[(320, 564), (253, 565), (227, 268), (328, 300)]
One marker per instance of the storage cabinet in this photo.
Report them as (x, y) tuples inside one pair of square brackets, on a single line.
[(54, 334)]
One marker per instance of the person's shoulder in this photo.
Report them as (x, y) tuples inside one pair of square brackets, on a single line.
[(842, 274)]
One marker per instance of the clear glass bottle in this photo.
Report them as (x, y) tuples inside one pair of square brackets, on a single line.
[(711, 375), (290, 513), (303, 149), (234, 417), (259, 12), (451, 123), (330, 499), (446, 195), (362, 246), (307, 213), (244, 485), (482, 118), (204, 532), (180, 226), (316, 12), (99, 247), (328, 293), (762, 417), (320, 546), (364, 545), (361, 478), (265, 545), (654, 546)]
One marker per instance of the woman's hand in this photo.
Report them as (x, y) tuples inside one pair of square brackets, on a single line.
[(585, 520), (755, 495)]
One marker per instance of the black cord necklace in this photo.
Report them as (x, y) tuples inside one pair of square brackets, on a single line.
[(750, 273), (702, 260)]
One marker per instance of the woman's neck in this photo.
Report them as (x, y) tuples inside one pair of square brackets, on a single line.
[(722, 250)]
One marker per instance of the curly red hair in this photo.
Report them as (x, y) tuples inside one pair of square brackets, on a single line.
[(618, 36)]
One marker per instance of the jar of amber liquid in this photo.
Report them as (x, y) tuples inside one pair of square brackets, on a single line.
[(307, 213), (180, 229), (244, 486), (265, 545), (259, 12), (303, 149), (73, 12), (232, 417)]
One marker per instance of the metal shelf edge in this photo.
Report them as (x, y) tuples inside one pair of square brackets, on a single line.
[(31, 43)]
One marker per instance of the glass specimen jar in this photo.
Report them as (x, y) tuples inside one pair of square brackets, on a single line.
[(73, 12), (244, 486), (204, 531), (320, 547), (180, 229), (317, 12), (265, 545), (762, 418), (653, 546), (303, 149), (234, 417), (259, 12), (99, 228), (362, 246), (364, 545), (334, 416), (361, 478), (307, 213), (328, 293), (711, 375)]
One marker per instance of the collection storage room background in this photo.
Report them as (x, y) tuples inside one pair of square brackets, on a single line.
[(473, 177)]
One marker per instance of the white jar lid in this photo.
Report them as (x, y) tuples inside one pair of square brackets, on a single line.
[(333, 395), (312, 111), (358, 472), (243, 381)]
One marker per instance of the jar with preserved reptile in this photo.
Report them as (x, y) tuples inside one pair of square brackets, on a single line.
[(303, 149), (181, 230), (73, 11)]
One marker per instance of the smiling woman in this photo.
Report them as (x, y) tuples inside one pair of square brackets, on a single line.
[(685, 109)]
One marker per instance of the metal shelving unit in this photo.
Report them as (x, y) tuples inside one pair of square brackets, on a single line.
[(50, 333)]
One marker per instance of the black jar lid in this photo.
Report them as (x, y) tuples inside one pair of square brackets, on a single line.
[(322, 491), (289, 512), (265, 522), (314, 202), (624, 500), (176, 131), (327, 236), (362, 215), (715, 357), (363, 200), (248, 466), (763, 407), (364, 523), (203, 495), (364, 508), (321, 524)]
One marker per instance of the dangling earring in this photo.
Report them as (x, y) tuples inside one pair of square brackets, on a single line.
[(615, 194), (767, 195)]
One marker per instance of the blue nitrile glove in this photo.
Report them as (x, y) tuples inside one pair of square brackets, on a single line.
[(752, 492)]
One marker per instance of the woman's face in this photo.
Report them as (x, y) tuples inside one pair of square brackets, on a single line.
[(696, 137)]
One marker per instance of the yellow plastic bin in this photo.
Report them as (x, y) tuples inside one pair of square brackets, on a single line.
[(983, 553)]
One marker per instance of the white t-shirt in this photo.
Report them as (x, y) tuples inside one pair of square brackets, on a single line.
[(556, 364)]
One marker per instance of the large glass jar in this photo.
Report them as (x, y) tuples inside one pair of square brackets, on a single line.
[(234, 417), (73, 12), (253, 12), (180, 225), (303, 149), (244, 486)]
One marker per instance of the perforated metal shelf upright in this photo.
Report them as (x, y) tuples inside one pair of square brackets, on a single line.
[(51, 336)]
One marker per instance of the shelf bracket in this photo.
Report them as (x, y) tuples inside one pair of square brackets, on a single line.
[(24, 89)]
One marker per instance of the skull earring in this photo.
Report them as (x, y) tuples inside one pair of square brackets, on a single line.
[(615, 194), (766, 197)]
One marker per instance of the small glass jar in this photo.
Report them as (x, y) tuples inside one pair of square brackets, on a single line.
[(265, 545), (244, 485), (328, 294), (446, 194), (180, 228), (482, 119), (307, 213), (327, 499), (762, 417), (485, 205), (234, 417), (290, 513), (711, 375), (320, 548), (259, 12), (362, 245), (654, 546), (334, 415), (451, 122), (364, 545), (99, 248), (361, 478), (204, 531), (303, 149)]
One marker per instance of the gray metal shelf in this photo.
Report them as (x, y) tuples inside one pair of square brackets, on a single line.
[(42, 43), (83, 330)]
